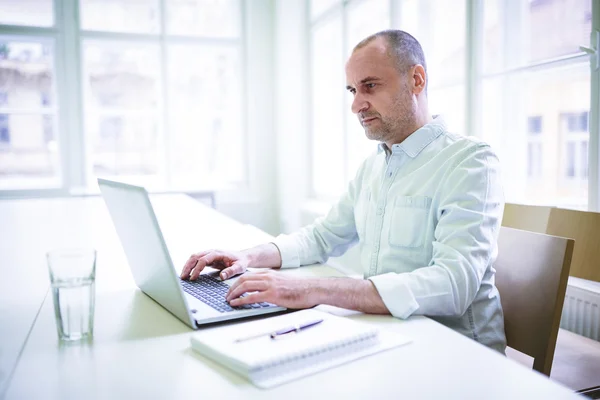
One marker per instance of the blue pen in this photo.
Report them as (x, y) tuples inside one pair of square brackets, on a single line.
[(295, 328), (279, 333)]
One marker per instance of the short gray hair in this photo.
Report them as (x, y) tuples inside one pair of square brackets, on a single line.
[(403, 47)]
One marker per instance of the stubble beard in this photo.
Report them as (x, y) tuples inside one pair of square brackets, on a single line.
[(396, 125)]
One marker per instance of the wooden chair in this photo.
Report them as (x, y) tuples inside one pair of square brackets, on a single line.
[(577, 358), (582, 226), (532, 270)]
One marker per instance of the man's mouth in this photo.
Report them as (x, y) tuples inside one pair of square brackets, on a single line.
[(366, 121)]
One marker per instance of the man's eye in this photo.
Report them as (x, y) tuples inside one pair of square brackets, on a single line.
[(371, 85), (353, 91)]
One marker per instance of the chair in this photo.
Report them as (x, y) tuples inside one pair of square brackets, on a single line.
[(532, 270), (577, 358), (583, 226)]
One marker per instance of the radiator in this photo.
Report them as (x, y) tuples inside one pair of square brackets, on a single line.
[(581, 311)]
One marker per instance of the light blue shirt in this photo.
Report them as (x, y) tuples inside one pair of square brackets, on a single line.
[(426, 218)]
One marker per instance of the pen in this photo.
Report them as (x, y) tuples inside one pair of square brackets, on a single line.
[(283, 331)]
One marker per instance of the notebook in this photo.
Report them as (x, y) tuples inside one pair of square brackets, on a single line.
[(268, 362)]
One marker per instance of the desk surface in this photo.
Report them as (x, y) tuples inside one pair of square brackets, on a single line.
[(142, 351)]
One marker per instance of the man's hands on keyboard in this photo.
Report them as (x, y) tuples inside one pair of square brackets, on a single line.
[(212, 291)]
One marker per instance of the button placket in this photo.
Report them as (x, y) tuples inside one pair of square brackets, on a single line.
[(380, 213)]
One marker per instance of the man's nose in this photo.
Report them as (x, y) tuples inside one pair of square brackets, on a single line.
[(359, 104)]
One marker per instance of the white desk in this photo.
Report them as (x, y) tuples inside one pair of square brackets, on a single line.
[(142, 351)]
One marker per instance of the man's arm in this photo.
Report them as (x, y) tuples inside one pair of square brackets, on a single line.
[(293, 292), (352, 294)]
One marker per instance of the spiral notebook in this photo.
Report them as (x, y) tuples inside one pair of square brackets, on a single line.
[(268, 362)]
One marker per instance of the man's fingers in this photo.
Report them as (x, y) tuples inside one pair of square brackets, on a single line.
[(248, 286), (245, 278), (234, 270), (191, 263), (258, 297), (198, 267)]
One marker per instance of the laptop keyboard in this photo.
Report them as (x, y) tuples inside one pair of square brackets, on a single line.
[(212, 291)]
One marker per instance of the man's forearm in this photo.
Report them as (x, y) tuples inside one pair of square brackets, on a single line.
[(349, 293), (263, 256)]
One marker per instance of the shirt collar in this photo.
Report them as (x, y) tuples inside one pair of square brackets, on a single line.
[(419, 139)]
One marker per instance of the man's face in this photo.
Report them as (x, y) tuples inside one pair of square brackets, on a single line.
[(383, 99)]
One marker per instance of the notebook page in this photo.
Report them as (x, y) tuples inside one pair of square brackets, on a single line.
[(263, 351)]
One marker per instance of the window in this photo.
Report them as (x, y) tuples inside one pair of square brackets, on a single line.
[(534, 117), (577, 122), (534, 125), (4, 132), (575, 144), (29, 156), (534, 160), (534, 148), (155, 98)]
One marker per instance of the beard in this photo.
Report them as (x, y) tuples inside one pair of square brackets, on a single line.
[(401, 118)]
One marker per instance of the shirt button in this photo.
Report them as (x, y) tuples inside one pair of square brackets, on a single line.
[(390, 174), (379, 211)]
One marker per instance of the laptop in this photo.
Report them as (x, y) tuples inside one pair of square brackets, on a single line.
[(194, 302)]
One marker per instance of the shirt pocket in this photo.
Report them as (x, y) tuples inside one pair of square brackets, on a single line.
[(408, 223)]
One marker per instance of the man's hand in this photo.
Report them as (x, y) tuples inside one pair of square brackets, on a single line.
[(276, 288), (230, 263)]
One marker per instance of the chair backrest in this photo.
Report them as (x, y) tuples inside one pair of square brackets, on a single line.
[(526, 217), (583, 226), (532, 270)]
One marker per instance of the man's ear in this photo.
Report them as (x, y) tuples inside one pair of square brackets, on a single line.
[(419, 79)]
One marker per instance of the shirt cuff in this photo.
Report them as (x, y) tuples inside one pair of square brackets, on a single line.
[(288, 251), (396, 295)]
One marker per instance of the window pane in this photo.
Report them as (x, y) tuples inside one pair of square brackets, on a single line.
[(206, 125), (27, 12), (557, 101), (450, 103), (440, 27), (318, 7), (556, 28), (365, 18), (214, 18), (123, 144), (26, 74), (121, 107), (520, 33), (28, 151), (28, 144), (327, 75), (131, 16)]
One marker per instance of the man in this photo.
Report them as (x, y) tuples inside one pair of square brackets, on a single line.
[(425, 209)]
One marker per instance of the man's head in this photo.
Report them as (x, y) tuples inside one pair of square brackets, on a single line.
[(387, 75)]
